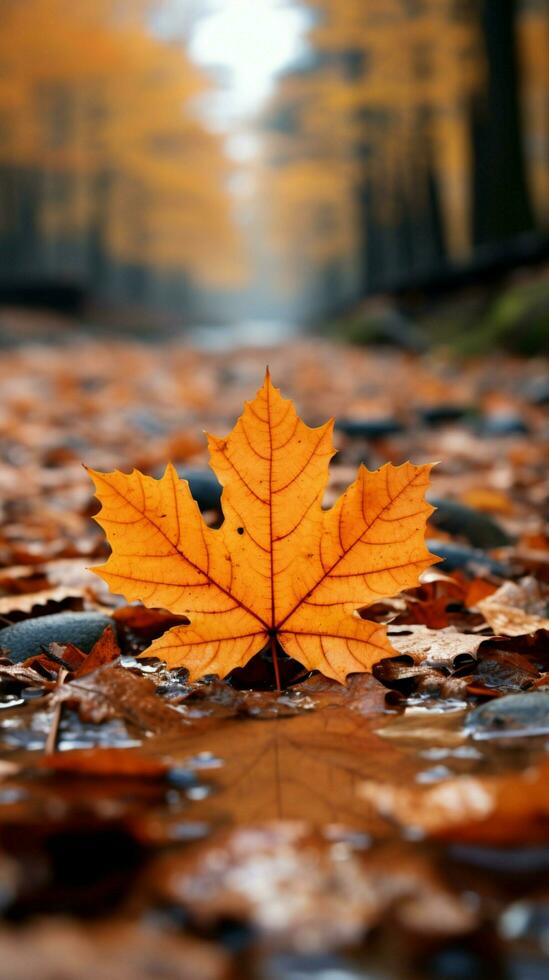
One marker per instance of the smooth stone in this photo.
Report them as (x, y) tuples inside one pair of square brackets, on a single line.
[(442, 414), (528, 918), (456, 962), (501, 425), (513, 715), (459, 556), (480, 530), (147, 422), (25, 639), (313, 966), (204, 486), (524, 860), (376, 428), (537, 390)]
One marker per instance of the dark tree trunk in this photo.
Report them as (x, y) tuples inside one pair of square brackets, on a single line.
[(502, 206)]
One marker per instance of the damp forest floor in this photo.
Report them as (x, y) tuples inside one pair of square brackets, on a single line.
[(396, 828)]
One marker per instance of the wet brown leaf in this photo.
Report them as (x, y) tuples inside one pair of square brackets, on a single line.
[(105, 762), (111, 692), (24, 675), (495, 809), (103, 652)]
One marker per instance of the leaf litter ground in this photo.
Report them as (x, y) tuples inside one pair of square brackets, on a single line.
[(219, 828)]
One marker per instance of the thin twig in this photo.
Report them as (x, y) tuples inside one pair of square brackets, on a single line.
[(275, 663), (51, 740), (55, 659)]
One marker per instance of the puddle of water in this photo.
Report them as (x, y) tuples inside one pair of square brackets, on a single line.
[(205, 760)]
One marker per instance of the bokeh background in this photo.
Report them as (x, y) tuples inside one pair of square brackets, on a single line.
[(356, 193), (263, 164)]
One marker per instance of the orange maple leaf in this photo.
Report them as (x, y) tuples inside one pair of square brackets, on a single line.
[(279, 568)]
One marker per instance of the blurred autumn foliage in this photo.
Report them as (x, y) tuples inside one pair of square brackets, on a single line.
[(410, 139), (106, 168), (408, 142)]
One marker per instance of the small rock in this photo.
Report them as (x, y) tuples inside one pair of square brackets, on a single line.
[(513, 716), (204, 486), (434, 415), (147, 422), (537, 390), (502, 424), (25, 639), (471, 560), (455, 962), (319, 966), (481, 530), (528, 919), (375, 428)]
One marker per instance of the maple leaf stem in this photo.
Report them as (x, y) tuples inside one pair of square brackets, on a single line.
[(275, 663)]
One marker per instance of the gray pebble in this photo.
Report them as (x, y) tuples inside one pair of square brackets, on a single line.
[(25, 639), (513, 716)]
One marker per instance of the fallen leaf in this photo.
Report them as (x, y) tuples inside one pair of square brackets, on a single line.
[(477, 590), (104, 651), (21, 674), (489, 500), (517, 608), (26, 603), (440, 646), (279, 568), (68, 572), (432, 612), (497, 809), (105, 762), (504, 671), (116, 692), (60, 655)]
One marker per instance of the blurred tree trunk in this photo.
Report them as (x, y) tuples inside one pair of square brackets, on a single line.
[(502, 205)]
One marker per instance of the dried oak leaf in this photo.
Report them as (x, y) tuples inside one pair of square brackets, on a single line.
[(517, 608), (279, 568)]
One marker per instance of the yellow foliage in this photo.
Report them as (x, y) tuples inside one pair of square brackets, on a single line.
[(391, 88), (103, 111)]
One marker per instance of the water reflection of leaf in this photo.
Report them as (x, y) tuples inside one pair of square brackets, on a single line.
[(305, 766)]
